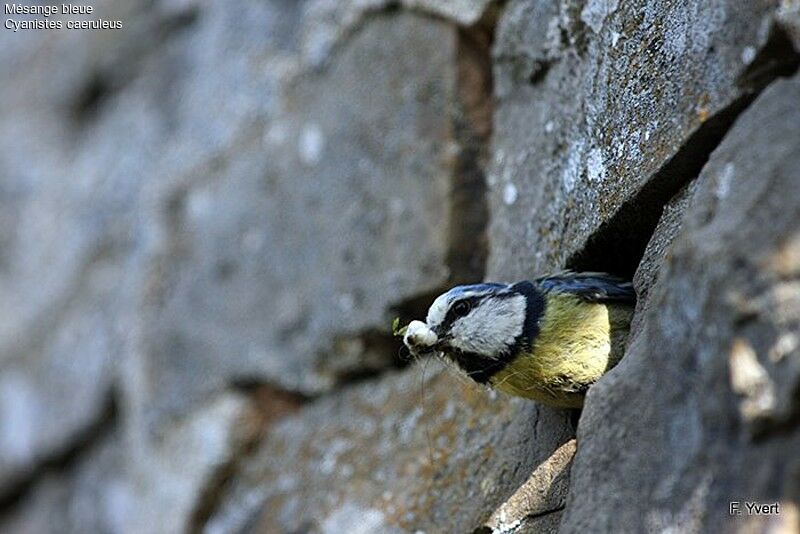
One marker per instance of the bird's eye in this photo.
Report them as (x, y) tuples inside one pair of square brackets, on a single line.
[(461, 308)]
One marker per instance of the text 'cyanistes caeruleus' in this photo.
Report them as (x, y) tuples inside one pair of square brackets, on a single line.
[(547, 340)]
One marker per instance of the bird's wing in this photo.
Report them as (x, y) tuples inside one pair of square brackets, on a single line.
[(591, 287)]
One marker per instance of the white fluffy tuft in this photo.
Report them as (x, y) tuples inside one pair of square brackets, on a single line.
[(418, 335)]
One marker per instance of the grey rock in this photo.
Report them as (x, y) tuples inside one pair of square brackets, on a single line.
[(202, 239), (706, 384), (788, 16), (66, 229), (596, 103), (116, 485), (537, 504), (91, 494), (170, 477), (464, 12), (657, 252), (329, 23), (80, 155), (280, 260), (438, 444), (226, 195)]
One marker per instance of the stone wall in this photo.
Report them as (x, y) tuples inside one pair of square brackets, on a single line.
[(209, 218)]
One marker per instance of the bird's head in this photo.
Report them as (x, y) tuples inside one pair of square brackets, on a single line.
[(475, 322)]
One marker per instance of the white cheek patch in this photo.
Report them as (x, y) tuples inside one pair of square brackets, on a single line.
[(490, 328), (419, 336)]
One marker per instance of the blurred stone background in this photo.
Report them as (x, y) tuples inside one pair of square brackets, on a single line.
[(209, 218)]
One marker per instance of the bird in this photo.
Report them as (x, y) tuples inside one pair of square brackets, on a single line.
[(548, 340)]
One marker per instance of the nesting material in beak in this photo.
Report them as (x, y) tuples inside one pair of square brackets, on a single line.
[(419, 338)]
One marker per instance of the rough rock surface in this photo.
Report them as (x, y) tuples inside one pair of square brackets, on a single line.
[(267, 257), (710, 379), (439, 446), (606, 104), (67, 201), (658, 251), (152, 219), (328, 23), (604, 112), (92, 495)]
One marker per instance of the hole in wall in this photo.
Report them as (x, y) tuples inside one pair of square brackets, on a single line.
[(539, 72), (91, 97), (618, 245), (776, 59)]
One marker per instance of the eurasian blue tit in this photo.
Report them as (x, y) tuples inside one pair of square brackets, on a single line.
[(548, 340)]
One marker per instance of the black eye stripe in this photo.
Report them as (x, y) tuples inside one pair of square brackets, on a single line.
[(461, 308), (453, 314)]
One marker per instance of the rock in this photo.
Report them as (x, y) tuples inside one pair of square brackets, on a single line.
[(170, 477), (78, 154), (537, 504), (281, 261), (65, 231), (657, 252), (707, 381), (438, 445), (463, 12), (102, 488), (209, 218), (183, 205), (788, 16), (604, 111), (91, 494), (330, 22)]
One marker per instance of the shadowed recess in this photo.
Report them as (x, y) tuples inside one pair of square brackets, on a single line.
[(619, 243)]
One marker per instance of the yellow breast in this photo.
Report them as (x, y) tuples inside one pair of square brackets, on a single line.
[(577, 343)]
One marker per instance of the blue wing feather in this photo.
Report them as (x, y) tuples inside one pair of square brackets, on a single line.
[(591, 287)]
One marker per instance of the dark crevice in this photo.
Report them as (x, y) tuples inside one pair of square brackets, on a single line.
[(212, 495), (269, 405), (472, 114), (368, 353), (91, 97), (776, 59), (574, 31), (252, 386), (539, 71), (483, 529), (15, 492), (619, 243), (352, 377), (417, 306), (472, 130), (545, 513), (574, 418)]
